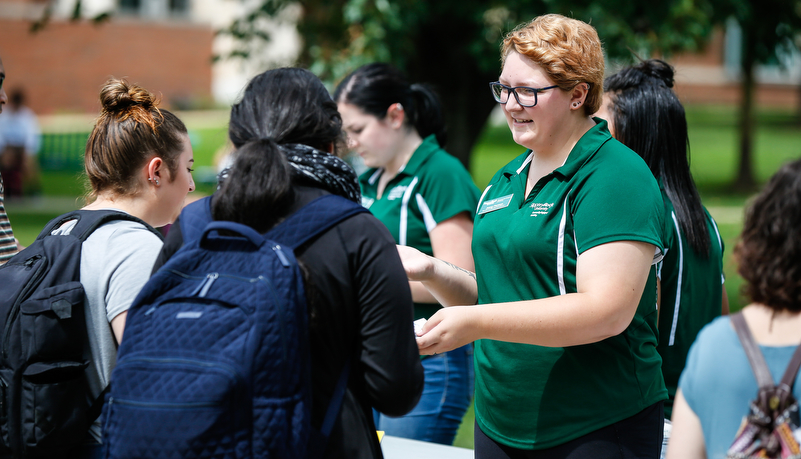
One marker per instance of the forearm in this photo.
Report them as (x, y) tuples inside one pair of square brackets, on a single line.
[(567, 320), (420, 293), (451, 285)]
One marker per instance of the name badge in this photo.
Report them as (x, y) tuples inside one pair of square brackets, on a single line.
[(495, 204)]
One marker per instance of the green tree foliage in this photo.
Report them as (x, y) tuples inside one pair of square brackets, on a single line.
[(769, 29), (454, 44)]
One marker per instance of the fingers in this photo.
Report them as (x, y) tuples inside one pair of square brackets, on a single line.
[(427, 346)]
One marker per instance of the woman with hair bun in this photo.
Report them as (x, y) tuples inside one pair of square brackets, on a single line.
[(139, 162), (644, 113), (287, 133), (427, 199)]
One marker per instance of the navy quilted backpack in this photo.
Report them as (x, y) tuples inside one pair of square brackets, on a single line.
[(215, 357)]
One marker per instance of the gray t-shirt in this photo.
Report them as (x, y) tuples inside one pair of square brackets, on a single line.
[(116, 261)]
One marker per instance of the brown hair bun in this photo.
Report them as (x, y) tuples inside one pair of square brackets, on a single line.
[(120, 97)]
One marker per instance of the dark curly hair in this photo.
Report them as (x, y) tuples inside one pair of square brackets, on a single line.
[(770, 247)]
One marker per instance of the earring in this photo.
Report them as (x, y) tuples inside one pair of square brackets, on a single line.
[(576, 104), (400, 107)]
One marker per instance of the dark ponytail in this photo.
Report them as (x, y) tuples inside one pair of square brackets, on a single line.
[(374, 87), (258, 189), (279, 106)]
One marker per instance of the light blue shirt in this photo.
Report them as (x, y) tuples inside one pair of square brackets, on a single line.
[(718, 382)]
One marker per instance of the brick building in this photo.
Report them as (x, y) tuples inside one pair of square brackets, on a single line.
[(165, 45)]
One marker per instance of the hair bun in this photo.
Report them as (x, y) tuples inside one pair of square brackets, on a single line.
[(659, 69), (118, 96)]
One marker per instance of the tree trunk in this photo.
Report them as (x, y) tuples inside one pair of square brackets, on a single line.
[(463, 87), (745, 173)]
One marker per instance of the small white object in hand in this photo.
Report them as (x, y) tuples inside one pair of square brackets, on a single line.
[(418, 326)]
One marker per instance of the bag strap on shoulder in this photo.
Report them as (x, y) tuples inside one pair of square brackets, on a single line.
[(309, 221), (755, 357), (87, 221), (313, 219), (194, 218), (757, 360), (792, 369)]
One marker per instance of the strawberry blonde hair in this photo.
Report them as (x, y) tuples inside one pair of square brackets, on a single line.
[(568, 50)]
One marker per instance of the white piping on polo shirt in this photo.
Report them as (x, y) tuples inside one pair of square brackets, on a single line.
[(404, 212), (428, 217), (525, 163), (560, 250), (720, 244), (375, 176), (482, 197), (678, 284)]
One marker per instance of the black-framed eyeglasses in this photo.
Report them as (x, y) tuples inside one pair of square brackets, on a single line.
[(524, 95)]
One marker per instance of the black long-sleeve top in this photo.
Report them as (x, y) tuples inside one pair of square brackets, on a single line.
[(361, 308)]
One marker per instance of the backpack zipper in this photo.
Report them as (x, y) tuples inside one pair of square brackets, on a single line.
[(281, 256), (35, 280), (204, 287)]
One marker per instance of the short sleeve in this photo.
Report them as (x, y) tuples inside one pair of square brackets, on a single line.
[(447, 190), (618, 200)]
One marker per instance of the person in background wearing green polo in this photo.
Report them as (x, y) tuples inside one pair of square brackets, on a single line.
[(644, 113), (566, 241), (427, 199)]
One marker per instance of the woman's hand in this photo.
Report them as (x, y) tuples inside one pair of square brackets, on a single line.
[(418, 266), (448, 329)]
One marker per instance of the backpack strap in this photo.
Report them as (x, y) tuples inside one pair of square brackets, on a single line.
[(96, 409), (792, 369), (313, 219), (319, 438), (757, 360), (89, 220), (194, 218), (755, 357)]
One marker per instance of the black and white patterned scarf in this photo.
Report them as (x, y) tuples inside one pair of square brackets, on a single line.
[(316, 168)]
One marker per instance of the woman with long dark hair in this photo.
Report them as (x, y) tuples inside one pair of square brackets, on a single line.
[(644, 113), (427, 200), (287, 133)]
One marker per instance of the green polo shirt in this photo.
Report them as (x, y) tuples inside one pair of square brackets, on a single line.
[(691, 295), (432, 187), (526, 247)]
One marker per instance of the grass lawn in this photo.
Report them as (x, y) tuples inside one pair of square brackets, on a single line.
[(714, 154)]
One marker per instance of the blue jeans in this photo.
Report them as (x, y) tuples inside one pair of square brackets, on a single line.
[(446, 397)]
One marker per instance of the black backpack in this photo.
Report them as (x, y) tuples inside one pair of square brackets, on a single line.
[(771, 427), (45, 404)]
